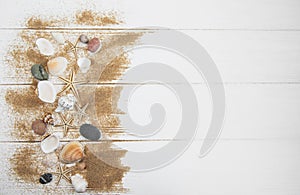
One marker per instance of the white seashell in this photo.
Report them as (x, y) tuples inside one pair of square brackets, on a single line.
[(66, 103), (46, 91), (59, 38), (45, 46), (84, 64), (79, 183), (50, 143), (57, 66)]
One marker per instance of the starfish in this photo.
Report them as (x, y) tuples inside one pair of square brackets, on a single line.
[(81, 111), (62, 173), (66, 124), (70, 84), (73, 47)]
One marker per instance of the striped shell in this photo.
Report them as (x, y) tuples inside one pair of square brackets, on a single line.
[(71, 153), (48, 119)]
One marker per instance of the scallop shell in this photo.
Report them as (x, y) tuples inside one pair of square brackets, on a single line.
[(46, 91), (84, 64), (57, 66), (66, 103), (50, 144), (45, 46), (71, 153)]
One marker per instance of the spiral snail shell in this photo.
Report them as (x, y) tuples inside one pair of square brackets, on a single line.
[(71, 153), (48, 119)]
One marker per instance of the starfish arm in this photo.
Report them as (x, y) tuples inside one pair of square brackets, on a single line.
[(64, 79)]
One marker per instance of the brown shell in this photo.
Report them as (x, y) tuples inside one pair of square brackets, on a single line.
[(48, 119), (71, 153), (39, 127)]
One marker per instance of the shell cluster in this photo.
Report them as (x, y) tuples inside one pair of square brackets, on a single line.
[(72, 153)]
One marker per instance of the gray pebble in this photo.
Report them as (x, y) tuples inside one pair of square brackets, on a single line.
[(39, 72), (90, 132), (83, 39)]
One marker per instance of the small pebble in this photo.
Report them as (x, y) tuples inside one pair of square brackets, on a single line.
[(39, 127), (46, 178), (83, 39), (90, 132), (39, 72), (94, 45)]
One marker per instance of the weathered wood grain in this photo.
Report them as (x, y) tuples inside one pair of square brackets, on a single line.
[(191, 14), (252, 112)]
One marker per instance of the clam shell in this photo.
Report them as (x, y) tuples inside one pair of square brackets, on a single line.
[(49, 144), (45, 46), (84, 64), (57, 66), (71, 153), (46, 91)]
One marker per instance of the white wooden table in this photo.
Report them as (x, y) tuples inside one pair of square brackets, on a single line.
[(256, 47)]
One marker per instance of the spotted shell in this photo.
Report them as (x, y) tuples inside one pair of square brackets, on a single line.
[(71, 153)]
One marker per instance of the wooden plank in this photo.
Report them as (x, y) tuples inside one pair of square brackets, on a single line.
[(191, 14), (241, 57), (235, 167), (252, 112)]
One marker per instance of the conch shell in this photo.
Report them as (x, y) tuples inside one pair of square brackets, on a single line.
[(66, 103), (71, 153)]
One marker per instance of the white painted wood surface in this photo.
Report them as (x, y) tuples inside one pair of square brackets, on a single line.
[(256, 46)]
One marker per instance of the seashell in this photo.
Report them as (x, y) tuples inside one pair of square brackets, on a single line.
[(79, 183), (48, 119), (83, 39), (66, 103), (45, 46), (46, 91), (46, 178), (90, 132), (49, 144), (84, 64), (94, 45), (39, 127), (39, 72), (57, 66), (59, 38), (71, 153)]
